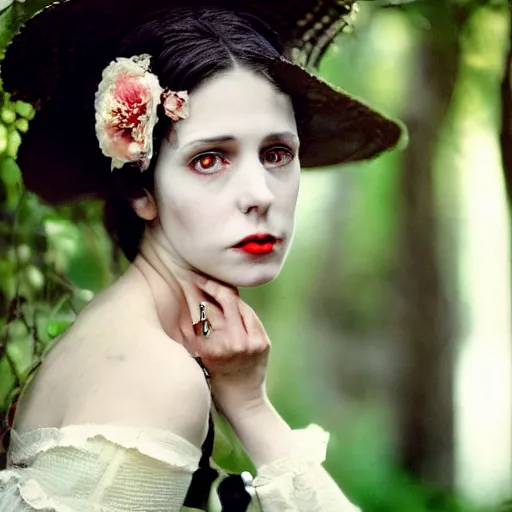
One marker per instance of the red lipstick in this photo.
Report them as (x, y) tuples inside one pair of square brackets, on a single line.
[(257, 244)]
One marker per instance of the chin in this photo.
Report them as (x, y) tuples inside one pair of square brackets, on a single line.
[(246, 283), (255, 275)]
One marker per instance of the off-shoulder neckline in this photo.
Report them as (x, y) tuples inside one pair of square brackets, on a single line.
[(106, 430)]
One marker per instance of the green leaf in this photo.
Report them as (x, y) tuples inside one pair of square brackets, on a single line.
[(25, 110), (9, 170), (56, 327), (6, 18), (7, 115), (4, 138), (13, 144), (21, 125), (6, 382)]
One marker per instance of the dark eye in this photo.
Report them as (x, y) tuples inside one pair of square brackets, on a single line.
[(277, 156), (208, 163)]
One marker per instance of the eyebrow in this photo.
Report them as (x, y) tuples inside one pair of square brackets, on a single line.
[(231, 138)]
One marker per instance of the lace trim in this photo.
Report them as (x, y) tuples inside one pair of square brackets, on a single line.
[(310, 449), (161, 445), (17, 492), (298, 481)]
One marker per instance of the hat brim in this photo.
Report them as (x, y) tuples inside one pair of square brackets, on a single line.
[(60, 158), (338, 128)]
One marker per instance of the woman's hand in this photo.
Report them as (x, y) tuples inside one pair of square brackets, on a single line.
[(236, 355), (236, 352)]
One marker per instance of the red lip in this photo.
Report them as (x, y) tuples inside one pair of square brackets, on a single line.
[(261, 243)]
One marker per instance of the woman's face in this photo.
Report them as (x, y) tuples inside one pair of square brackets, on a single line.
[(228, 171)]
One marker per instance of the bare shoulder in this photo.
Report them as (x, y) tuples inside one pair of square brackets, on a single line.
[(119, 371), (165, 383)]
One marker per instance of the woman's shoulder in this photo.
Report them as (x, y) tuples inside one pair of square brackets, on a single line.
[(156, 387), (114, 366), (120, 325)]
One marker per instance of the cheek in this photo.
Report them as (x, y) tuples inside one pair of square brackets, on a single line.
[(186, 212), (173, 193), (182, 209), (290, 191), (178, 210)]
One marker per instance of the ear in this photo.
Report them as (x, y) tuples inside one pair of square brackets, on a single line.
[(145, 206)]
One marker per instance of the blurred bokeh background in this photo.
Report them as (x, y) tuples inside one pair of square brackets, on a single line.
[(391, 321)]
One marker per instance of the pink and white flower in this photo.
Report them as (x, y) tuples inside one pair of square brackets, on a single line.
[(126, 106), (175, 104), (126, 111)]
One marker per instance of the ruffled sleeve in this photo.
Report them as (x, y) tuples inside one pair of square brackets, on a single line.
[(85, 468), (298, 482)]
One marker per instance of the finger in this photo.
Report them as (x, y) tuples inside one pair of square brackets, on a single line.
[(204, 310), (225, 296), (245, 314), (221, 341), (256, 332), (249, 317)]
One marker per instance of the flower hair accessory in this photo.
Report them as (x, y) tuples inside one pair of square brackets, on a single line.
[(126, 106), (175, 104)]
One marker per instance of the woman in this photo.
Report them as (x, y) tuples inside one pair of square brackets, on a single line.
[(188, 122)]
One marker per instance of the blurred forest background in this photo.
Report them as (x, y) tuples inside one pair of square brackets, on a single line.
[(391, 322)]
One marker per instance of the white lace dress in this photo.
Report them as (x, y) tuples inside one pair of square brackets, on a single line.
[(112, 468)]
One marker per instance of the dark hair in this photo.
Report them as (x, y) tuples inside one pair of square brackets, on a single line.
[(187, 47)]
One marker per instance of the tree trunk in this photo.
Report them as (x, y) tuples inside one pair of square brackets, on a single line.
[(426, 323)]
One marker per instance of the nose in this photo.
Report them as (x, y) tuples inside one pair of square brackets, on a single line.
[(255, 193)]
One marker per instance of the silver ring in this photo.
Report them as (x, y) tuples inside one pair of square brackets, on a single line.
[(203, 327)]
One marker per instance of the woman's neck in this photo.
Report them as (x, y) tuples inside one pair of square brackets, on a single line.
[(175, 296)]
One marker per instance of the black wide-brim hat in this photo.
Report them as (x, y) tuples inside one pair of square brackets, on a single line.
[(56, 60)]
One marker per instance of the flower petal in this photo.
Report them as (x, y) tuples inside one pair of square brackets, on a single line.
[(126, 111), (176, 104)]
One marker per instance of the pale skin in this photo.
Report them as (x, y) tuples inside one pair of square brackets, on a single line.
[(127, 359)]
